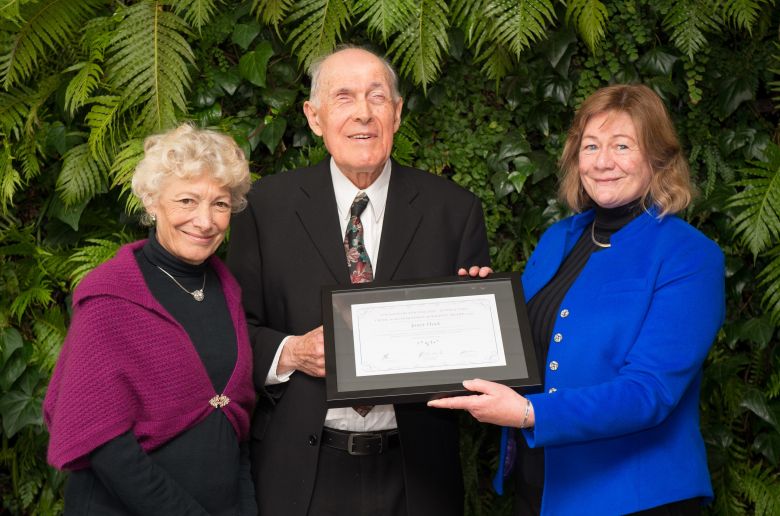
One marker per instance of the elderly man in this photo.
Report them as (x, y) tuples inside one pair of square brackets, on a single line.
[(353, 218)]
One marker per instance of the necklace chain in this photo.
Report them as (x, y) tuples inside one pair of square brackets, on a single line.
[(593, 237), (197, 294)]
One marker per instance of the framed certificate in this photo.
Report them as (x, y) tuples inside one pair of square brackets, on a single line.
[(418, 340)]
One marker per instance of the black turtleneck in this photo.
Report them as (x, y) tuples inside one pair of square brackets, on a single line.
[(543, 312), (202, 471)]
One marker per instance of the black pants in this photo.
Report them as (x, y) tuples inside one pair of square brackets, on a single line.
[(370, 485)]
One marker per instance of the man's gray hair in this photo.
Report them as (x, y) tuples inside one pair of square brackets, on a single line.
[(316, 67)]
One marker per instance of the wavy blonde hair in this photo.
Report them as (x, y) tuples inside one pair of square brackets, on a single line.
[(187, 152), (670, 186)]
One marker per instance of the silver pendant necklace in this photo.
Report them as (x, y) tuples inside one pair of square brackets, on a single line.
[(197, 294), (593, 237)]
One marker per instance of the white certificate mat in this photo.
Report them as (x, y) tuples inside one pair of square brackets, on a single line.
[(420, 335)]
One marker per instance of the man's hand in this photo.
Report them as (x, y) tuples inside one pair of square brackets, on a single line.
[(304, 353), (495, 403), (475, 271)]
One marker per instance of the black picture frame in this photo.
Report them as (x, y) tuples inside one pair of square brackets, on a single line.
[(345, 388)]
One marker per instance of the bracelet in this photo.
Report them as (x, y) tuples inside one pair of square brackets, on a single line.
[(527, 412)]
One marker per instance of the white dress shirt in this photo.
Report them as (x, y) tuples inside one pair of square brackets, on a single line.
[(382, 417)]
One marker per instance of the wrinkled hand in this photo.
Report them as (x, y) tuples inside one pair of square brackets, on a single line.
[(475, 271), (495, 403), (304, 353)]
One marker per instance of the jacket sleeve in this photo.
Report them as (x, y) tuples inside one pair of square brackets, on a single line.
[(685, 311), (142, 486), (474, 248), (244, 258)]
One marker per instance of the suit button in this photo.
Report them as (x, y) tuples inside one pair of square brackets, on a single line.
[(558, 337), (312, 440), (553, 365), (564, 313), (552, 390)]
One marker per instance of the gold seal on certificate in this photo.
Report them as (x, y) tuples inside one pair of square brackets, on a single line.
[(418, 340)]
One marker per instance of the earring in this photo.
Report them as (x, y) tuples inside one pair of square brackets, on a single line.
[(153, 217)]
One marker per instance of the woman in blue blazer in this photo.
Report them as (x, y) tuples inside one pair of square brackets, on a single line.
[(625, 300)]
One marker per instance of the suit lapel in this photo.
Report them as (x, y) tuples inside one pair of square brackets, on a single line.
[(317, 211), (401, 221)]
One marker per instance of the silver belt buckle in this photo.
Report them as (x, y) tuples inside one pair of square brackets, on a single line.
[(351, 443)]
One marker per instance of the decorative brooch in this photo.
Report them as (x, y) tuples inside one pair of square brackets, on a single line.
[(219, 401)]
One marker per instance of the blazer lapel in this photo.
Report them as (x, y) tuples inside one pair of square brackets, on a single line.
[(402, 219), (317, 211)]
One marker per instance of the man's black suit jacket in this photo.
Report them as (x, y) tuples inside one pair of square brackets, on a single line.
[(283, 248)]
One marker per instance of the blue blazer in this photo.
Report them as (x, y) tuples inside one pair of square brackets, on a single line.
[(619, 417)]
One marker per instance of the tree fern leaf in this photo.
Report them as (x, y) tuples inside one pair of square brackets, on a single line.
[(49, 329), (88, 257), (590, 19), (27, 151), (102, 120), (148, 64), (319, 28), (272, 12), (405, 142), (418, 49), (10, 180), (14, 108), (38, 294), (122, 171), (770, 281), (46, 26), (81, 177), (688, 20), (385, 17), (496, 61), (82, 85), (743, 13), (518, 24), (758, 220), (196, 12), (9, 9)]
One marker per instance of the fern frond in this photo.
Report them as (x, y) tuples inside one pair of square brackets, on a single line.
[(590, 19), (496, 61), (321, 23), (102, 120), (743, 13), (9, 9), (46, 27), (769, 279), (518, 24), (405, 142), (88, 257), (82, 85), (196, 12), (148, 64), (758, 204), (81, 177), (14, 108), (39, 294), (10, 180), (46, 87), (774, 86), (385, 17), (418, 49), (122, 171), (272, 12), (761, 486), (27, 153), (50, 330), (687, 21)]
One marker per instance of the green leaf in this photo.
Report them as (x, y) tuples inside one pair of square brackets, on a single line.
[(732, 92), (56, 138), (280, 99), (418, 49), (12, 369), (519, 24), (319, 27), (272, 12), (559, 49), (11, 340), (590, 17), (197, 12), (557, 88), (19, 409), (90, 256), (688, 20), (518, 177), (102, 120), (10, 180), (82, 85), (657, 62), (252, 65), (228, 80), (384, 17), (244, 34), (273, 132), (768, 445), (755, 401), (68, 215), (81, 177)]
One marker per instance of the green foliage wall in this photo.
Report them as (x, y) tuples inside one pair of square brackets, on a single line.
[(490, 88)]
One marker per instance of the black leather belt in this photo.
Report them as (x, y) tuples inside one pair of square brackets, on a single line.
[(360, 443)]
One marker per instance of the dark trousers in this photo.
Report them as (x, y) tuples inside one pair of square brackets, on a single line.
[(370, 485)]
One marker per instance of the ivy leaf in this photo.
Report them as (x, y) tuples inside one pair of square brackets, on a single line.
[(56, 138), (19, 409), (12, 370), (273, 132), (518, 177), (252, 65), (755, 401), (557, 88), (732, 92), (657, 62), (228, 80), (70, 215), (244, 34), (768, 445), (758, 330), (559, 49), (11, 340), (280, 99)]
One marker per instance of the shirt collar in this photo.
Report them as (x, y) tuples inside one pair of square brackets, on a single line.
[(346, 191)]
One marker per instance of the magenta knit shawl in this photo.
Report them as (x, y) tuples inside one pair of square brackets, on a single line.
[(126, 364)]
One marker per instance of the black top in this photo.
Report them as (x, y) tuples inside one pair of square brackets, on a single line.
[(543, 312), (203, 470)]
